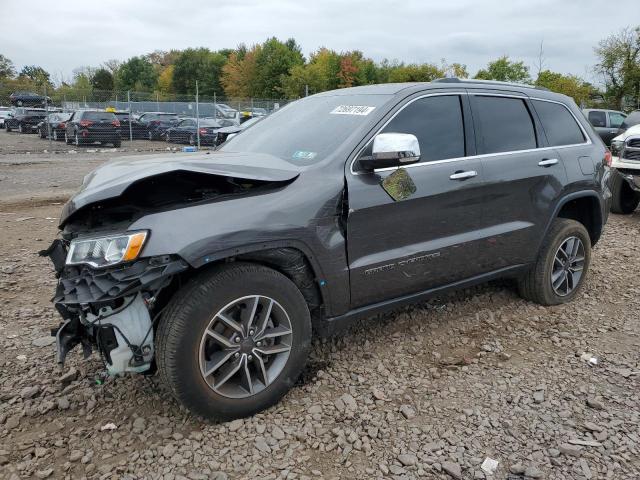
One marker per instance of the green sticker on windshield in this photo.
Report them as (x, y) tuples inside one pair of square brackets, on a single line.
[(303, 155)]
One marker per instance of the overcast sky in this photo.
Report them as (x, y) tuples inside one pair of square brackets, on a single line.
[(61, 36)]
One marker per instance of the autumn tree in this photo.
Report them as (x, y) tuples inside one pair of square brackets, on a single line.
[(239, 73), (37, 75)]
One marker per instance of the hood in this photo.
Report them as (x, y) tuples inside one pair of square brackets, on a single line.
[(633, 130), (113, 178)]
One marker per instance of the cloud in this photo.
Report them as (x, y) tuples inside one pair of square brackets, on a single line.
[(71, 35)]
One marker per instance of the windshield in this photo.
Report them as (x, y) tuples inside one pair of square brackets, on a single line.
[(308, 130)]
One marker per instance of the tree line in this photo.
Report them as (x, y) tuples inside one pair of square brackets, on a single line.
[(278, 69)]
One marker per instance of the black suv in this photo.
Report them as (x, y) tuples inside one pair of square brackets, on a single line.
[(157, 123), (90, 126), (25, 120), (214, 267)]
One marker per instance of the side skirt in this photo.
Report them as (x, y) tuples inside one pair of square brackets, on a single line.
[(333, 325)]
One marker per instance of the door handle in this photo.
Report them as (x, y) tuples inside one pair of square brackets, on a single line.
[(547, 162), (463, 175)]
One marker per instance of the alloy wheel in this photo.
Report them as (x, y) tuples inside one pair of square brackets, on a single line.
[(245, 346), (568, 265)]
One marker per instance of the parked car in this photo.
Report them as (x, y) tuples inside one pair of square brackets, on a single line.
[(25, 120), (90, 126), (605, 122), (625, 181), (336, 207), (137, 130), (4, 114), (55, 125), (156, 123), (28, 99), (226, 133), (186, 131)]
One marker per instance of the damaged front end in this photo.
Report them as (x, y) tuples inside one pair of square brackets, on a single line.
[(111, 308)]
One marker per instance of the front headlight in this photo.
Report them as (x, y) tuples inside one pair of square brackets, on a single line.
[(106, 251), (616, 147)]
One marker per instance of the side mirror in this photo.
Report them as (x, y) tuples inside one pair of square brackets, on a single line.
[(392, 150)]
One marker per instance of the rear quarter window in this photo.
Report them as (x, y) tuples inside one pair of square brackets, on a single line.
[(558, 123)]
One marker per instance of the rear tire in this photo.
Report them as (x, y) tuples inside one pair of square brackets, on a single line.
[(623, 199), (536, 285), (20, 129), (76, 139), (182, 342), (117, 144)]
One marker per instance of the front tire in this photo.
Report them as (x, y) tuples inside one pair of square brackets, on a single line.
[(562, 265), (623, 199), (233, 341)]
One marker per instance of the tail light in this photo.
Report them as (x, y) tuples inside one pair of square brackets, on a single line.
[(607, 158), (116, 123), (62, 125), (155, 122), (203, 131), (85, 123)]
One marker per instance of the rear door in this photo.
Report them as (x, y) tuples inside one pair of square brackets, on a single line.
[(414, 228), (523, 177)]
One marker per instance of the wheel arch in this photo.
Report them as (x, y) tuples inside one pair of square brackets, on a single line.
[(585, 207), (293, 259)]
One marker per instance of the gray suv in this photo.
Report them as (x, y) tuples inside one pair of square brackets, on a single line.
[(214, 267)]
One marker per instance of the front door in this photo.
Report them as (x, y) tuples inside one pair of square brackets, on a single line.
[(418, 227)]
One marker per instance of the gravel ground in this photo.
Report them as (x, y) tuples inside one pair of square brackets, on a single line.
[(429, 391)]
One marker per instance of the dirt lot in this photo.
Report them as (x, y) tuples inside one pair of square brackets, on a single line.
[(424, 392)]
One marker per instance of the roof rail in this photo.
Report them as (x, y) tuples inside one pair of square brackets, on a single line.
[(486, 82)]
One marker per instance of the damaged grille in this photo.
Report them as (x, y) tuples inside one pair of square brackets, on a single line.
[(84, 284)]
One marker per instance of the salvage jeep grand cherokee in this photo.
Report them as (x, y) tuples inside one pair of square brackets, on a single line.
[(214, 267)]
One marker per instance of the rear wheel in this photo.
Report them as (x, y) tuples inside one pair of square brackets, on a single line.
[(561, 267), (55, 135), (150, 136), (20, 129), (117, 143), (233, 341), (192, 140), (624, 199), (76, 139)]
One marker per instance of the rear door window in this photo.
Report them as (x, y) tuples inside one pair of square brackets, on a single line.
[(559, 125), (598, 119), (505, 124)]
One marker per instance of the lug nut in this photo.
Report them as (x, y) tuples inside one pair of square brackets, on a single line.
[(236, 355), (258, 344), (237, 339), (250, 357), (251, 332)]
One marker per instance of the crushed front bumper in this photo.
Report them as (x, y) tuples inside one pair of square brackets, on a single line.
[(110, 308)]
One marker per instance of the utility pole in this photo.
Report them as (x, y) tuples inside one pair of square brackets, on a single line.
[(198, 115)]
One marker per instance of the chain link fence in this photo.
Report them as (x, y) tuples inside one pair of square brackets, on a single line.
[(189, 117)]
